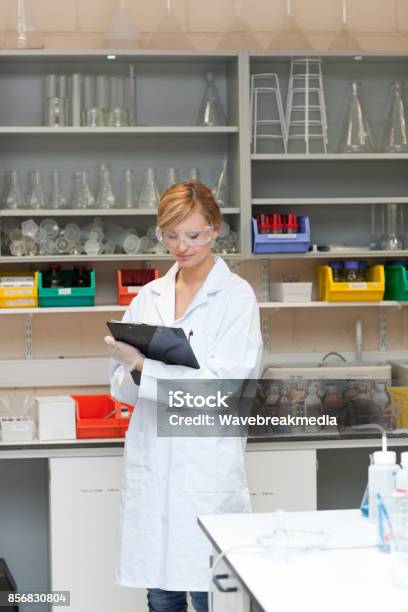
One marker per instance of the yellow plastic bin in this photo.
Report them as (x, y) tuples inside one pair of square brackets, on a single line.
[(21, 295), (399, 396), (370, 291)]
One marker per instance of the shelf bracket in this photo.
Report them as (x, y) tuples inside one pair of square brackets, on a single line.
[(28, 336), (264, 290), (382, 333)]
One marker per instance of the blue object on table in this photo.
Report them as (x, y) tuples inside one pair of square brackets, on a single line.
[(282, 243)]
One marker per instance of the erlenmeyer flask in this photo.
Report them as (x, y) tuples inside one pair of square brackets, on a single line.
[(211, 111), (220, 187), (128, 198), (355, 136), (13, 198), (83, 197), (35, 198), (20, 31), (106, 197), (239, 36), (344, 40), (122, 32), (172, 177), (390, 240), (149, 196), (291, 36), (395, 137), (169, 34), (57, 199)]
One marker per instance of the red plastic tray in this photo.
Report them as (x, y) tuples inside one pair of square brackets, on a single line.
[(92, 420)]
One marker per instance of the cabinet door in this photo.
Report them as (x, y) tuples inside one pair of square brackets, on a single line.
[(84, 518), (236, 600), (284, 480)]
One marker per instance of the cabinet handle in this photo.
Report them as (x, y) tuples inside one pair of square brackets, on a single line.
[(223, 589)]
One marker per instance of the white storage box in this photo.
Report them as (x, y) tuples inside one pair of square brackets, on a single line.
[(56, 417), (291, 292), (16, 429)]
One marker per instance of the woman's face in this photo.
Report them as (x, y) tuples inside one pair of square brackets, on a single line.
[(189, 255)]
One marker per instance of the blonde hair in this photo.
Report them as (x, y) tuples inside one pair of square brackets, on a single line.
[(182, 199)]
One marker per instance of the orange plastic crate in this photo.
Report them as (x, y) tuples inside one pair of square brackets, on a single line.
[(131, 281), (100, 416)]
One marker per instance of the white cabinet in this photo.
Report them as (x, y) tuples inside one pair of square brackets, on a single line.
[(282, 480), (228, 594)]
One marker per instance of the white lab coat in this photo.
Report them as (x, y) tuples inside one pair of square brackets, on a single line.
[(167, 482)]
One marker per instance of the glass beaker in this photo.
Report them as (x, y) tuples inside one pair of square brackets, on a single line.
[(149, 195), (117, 112), (195, 174), (13, 198), (377, 227), (395, 137), (35, 198), (390, 241), (106, 197), (355, 135), (56, 101), (57, 199), (95, 101), (211, 111)]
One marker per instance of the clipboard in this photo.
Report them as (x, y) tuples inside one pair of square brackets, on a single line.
[(167, 344)]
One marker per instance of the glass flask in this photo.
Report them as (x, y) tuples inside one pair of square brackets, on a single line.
[(221, 186), (56, 101), (35, 198), (57, 199), (395, 137), (83, 197), (238, 37), (355, 135), (117, 113), (13, 198), (211, 111), (390, 241), (106, 197), (49, 228), (128, 197), (21, 31), (149, 196), (172, 177), (195, 174), (122, 32)]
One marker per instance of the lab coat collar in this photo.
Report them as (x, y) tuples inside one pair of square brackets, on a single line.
[(165, 287)]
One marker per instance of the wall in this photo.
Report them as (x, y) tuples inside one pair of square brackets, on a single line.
[(375, 24)]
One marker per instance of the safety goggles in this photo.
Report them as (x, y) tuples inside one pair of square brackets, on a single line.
[(192, 237)]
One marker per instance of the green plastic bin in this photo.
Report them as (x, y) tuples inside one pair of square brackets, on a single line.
[(396, 283), (67, 295)]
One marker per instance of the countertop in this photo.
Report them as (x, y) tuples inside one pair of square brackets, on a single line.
[(351, 574)]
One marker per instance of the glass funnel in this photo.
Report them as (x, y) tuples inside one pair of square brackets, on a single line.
[(13, 197), (149, 195), (211, 111), (122, 32), (290, 36), (344, 40), (395, 137), (21, 31), (238, 37), (355, 136), (169, 34)]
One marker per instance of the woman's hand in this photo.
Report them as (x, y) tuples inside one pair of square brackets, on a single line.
[(126, 354)]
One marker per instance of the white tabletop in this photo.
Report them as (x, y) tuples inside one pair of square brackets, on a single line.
[(354, 577)]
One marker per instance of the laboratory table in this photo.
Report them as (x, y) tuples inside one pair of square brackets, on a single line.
[(350, 573)]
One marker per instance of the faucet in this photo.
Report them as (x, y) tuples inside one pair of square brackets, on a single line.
[(358, 341)]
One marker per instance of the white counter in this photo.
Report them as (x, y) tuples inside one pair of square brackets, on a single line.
[(350, 575)]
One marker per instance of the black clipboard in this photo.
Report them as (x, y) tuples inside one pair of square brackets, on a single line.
[(167, 344)]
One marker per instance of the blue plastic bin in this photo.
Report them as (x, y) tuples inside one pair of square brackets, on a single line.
[(282, 243)]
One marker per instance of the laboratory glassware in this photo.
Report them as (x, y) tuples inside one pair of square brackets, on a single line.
[(92, 247), (290, 36), (305, 117), (17, 248), (122, 32), (131, 244), (377, 227), (220, 189), (355, 136), (83, 197), (344, 40), (149, 195), (50, 228), (169, 34), (390, 241), (312, 406), (211, 111), (128, 197), (31, 247), (195, 174), (29, 228), (238, 37), (172, 177), (21, 31), (13, 198), (117, 112), (57, 199), (94, 101), (35, 198), (72, 232), (76, 100), (61, 245), (56, 100), (395, 136), (145, 244), (8, 225), (106, 197), (267, 114)]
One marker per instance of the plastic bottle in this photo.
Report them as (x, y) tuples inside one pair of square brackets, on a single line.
[(381, 477), (337, 270), (351, 271), (402, 476)]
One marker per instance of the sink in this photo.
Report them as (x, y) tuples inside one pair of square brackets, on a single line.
[(339, 370)]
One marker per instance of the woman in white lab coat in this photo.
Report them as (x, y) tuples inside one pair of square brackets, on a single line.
[(169, 481)]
